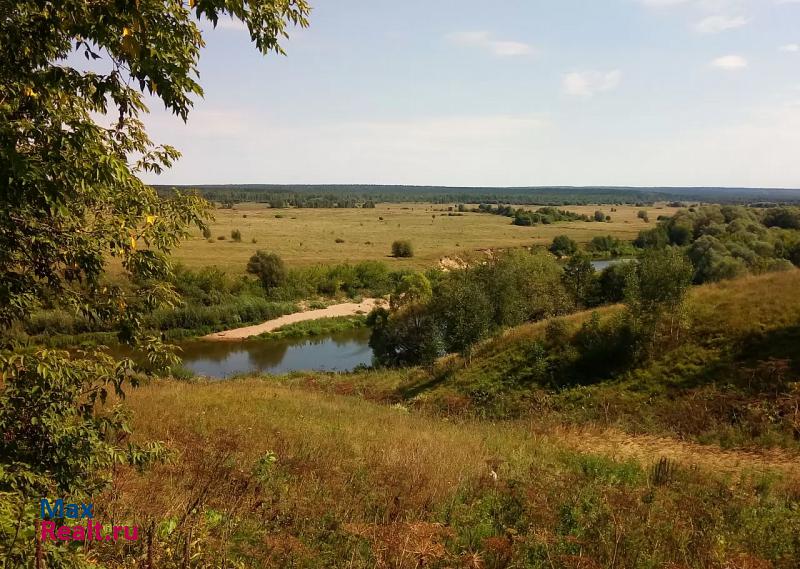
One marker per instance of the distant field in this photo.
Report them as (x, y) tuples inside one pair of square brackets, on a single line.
[(308, 236)]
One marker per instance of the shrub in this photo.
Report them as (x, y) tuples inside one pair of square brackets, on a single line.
[(563, 246), (269, 268), (402, 248), (339, 240), (643, 215), (207, 232), (605, 244), (221, 238), (599, 216), (236, 235)]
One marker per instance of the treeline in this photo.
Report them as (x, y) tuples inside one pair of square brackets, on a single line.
[(543, 215), (727, 241), (439, 312), (325, 195)]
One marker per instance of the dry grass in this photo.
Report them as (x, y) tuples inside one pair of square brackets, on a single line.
[(308, 236), (357, 484)]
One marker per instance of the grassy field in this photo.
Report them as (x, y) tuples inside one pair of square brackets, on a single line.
[(295, 478), (309, 236)]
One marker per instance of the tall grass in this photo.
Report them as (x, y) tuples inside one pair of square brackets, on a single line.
[(267, 476)]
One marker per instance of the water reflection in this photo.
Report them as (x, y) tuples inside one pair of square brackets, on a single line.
[(342, 351), (602, 264)]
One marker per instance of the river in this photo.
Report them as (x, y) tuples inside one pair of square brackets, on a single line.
[(341, 351)]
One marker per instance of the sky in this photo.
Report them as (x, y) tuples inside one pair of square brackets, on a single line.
[(502, 93)]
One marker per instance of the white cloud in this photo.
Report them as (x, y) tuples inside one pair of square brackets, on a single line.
[(484, 40), (588, 83), (790, 48), (717, 24), (730, 62)]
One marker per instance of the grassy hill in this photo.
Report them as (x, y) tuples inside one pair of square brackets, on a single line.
[(732, 380), (484, 466)]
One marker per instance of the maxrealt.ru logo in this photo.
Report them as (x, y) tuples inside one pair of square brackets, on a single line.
[(89, 530)]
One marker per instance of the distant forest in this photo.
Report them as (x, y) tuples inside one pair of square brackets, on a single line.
[(345, 196)]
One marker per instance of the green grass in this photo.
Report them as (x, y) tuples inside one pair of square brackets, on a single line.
[(319, 327)]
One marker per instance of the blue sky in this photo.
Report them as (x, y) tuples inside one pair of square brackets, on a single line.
[(572, 92)]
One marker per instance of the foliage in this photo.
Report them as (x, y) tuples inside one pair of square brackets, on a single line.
[(354, 195), (318, 327), (72, 199), (236, 236), (523, 217), (402, 248), (726, 241), (606, 244), (563, 246), (269, 268), (463, 309), (407, 336), (578, 279), (654, 296), (522, 286)]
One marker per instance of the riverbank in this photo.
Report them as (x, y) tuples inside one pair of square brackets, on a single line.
[(334, 311)]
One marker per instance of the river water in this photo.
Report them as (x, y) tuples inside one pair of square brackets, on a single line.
[(602, 264), (341, 351)]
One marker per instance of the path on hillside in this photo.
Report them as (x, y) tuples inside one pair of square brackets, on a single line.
[(344, 309), (648, 449)]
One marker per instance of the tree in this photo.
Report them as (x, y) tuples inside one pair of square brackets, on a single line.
[(522, 286), (406, 336), (654, 296), (70, 199), (269, 268), (578, 279), (463, 310), (402, 248), (413, 288), (599, 216), (612, 281), (655, 238), (563, 246)]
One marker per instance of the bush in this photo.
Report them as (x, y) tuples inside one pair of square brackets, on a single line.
[(269, 268), (605, 244), (563, 246), (402, 248), (599, 216), (207, 232), (339, 240), (236, 235), (221, 238)]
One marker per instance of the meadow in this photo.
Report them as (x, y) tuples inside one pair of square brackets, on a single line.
[(304, 237)]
